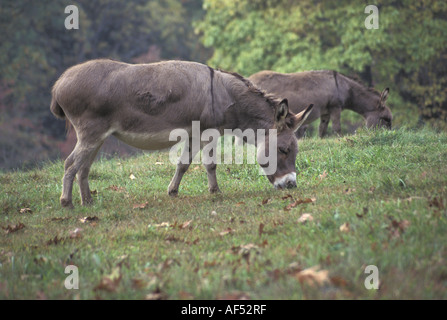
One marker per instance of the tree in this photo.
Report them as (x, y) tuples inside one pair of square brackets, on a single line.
[(407, 51)]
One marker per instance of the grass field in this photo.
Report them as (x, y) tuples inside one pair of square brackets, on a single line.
[(374, 198)]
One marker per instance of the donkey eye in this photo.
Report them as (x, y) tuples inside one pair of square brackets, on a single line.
[(283, 150)]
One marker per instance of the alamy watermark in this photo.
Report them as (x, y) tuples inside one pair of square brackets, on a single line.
[(372, 280), (72, 280), (208, 141), (372, 20)]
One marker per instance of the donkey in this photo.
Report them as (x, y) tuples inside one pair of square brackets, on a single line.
[(141, 104), (330, 92)]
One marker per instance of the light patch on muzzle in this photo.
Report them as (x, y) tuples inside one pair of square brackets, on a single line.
[(286, 181)]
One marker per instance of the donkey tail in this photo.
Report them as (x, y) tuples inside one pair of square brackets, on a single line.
[(56, 109)]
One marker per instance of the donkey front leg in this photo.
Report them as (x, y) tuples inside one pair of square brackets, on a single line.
[(182, 166), (210, 162), (324, 122), (335, 118)]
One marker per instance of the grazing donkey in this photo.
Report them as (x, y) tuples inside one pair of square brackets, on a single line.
[(141, 104), (330, 92)]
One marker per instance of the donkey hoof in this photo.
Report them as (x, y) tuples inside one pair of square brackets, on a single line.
[(214, 190), (173, 193), (66, 204), (87, 202)]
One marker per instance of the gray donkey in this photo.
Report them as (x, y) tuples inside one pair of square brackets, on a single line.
[(330, 92), (142, 104)]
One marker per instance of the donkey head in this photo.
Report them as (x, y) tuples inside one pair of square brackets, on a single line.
[(283, 174), (382, 116)]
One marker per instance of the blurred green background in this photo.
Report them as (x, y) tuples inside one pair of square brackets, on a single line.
[(408, 53)]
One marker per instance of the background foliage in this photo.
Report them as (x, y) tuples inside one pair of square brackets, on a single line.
[(407, 53)]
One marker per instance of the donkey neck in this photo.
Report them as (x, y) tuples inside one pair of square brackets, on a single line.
[(251, 108), (361, 100)]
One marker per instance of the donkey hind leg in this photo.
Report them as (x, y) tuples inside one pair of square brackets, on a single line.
[(183, 164), (82, 175), (81, 155)]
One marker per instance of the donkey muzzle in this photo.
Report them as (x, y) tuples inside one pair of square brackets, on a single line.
[(286, 181)]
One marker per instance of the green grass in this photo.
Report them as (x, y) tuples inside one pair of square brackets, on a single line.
[(388, 187)]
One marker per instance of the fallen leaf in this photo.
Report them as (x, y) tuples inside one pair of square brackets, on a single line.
[(345, 227), (158, 225), (398, 227), (55, 240), (76, 233), (287, 197), (298, 202), (132, 177), (234, 295), (141, 205), (265, 201), (88, 219), (158, 295), (158, 163), (26, 210), (240, 203), (14, 227), (365, 211), (305, 217), (261, 229), (323, 175), (116, 188), (185, 224), (59, 218), (111, 281), (312, 276), (349, 190), (226, 231), (437, 202)]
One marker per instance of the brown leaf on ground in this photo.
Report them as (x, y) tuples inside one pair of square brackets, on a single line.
[(226, 231), (55, 240), (313, 276), (116, 188), (287, 197), (265, 201), (110, 282), (141, 205), (13, 228), (261, 229), (298, 202), (234, 295), (305, 217), (323, 175), (89, 219), (26, 210), (76, 233), (185, 224), (345, 227)]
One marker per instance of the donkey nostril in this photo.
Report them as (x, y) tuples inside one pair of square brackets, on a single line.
[(291, 184)]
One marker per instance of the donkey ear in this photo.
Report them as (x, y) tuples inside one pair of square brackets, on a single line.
[(302, 116), (384, 96), (281, 111)]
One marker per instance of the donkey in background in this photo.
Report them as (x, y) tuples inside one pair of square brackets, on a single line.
[(330, 92), (141, 104)]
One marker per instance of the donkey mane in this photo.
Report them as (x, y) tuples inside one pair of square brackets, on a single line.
[(272, 100), (355, 78)]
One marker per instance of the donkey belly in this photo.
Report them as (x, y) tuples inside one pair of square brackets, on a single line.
[(147, 141)]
